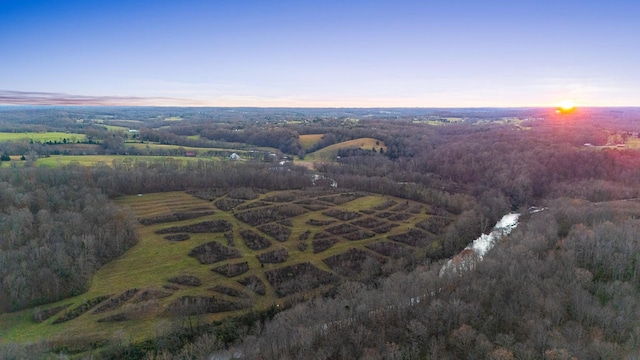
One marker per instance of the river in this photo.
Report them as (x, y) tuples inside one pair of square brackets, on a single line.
[(475, 251)]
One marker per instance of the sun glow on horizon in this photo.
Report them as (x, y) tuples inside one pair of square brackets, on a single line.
[(567, 105)]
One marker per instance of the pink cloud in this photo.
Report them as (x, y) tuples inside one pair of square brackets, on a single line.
[(44, 98)]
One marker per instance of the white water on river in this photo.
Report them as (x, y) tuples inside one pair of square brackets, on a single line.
[(479, 247)]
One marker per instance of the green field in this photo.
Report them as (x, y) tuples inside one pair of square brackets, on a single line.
[(310, 140), (92, 160), (146, 268), (42, 137), (116, 128), (138, 145), (329, 153)]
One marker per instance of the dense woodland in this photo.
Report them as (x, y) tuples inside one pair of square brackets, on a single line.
[(564, 285)]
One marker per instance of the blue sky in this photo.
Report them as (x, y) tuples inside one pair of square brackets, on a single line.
[(456, 53)]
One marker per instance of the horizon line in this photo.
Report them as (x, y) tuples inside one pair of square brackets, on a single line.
[(11, 98)]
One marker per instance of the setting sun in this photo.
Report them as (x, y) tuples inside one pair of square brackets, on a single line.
[(566, 106)]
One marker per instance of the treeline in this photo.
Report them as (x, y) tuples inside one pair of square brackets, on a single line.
[(56, 232), (545, 160), (283, 139)]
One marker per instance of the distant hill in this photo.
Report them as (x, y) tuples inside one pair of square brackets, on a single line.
[(310, 140), (330, 152)]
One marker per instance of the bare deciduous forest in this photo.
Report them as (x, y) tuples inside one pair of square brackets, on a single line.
[(565, 284)]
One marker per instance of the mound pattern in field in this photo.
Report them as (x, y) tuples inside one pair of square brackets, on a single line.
[(213, 226), (260, 239), (351, 263), (277, 231), (263, 215), (413, 237), (254, 284), (273, 257), (188, 280), (390, 249), (116, 301), (213, 252), (296, 278), (194, 305), (232, 270), (228, 291), (83, 308), (178, 216), (254, 241)]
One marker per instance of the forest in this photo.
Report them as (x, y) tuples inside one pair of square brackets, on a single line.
[(565, 284)]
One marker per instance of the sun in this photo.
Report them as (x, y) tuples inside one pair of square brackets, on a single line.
[(566, 106)]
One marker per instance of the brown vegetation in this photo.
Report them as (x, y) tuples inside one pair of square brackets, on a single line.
[(413, 237), (351, 262), (81, 309), (277, 231), (228, 204), (115, 302), (316, 222), (253, 283), (273, 257), (178, 237), (229, 291), (263, 215), (188, 280), (212, 226), (195, 305), (341, 214), (253, 240), (320, 245), (296, 278), (435, 224), (390, 249), (178, 216), (232, 270), (42, 315), (213, 252)]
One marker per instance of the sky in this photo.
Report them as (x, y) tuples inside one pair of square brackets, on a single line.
[(346, 53)]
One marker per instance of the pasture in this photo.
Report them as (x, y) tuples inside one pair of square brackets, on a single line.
[(42, 137), (93, 160), (329, 153), (310, 140)]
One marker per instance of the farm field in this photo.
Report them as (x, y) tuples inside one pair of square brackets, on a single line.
[(138, 145), (329, 153), (633, 143), (310, 140), (92, 160), (42, 137), (116, 128), (213, 253)]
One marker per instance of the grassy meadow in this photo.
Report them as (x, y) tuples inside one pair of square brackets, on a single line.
[(92, 160), (310, 140), (42, 137), (346, 220), (329, 153)]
